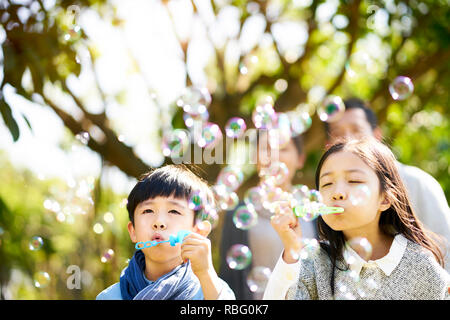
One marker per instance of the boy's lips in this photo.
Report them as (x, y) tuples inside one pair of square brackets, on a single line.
[(157, 237)]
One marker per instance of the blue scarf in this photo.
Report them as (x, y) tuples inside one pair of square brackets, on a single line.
[(179, 284)]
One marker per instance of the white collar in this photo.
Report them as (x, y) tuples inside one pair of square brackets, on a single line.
[(387, 263)]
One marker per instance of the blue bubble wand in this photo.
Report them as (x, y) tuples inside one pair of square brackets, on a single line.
[(173, 240)]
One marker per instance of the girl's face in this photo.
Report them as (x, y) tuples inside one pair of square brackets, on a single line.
[(347, 181)]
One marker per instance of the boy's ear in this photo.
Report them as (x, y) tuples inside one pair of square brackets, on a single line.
[(131, 232), (203, 228)]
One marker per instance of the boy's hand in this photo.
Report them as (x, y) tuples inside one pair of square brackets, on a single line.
[(286, 225), (197, 248)]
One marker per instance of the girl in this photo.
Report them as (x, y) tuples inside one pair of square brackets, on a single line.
[(404, 263)]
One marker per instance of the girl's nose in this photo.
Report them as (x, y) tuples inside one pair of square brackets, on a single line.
[(338, 196)]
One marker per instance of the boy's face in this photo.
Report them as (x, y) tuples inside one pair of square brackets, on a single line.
[(157, 219)]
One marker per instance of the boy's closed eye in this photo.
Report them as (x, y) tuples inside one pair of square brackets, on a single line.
[(151, 211)]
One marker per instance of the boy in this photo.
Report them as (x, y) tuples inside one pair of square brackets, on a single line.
[(158, 206)]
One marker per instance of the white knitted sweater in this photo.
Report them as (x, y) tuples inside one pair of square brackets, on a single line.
[(417, 276)]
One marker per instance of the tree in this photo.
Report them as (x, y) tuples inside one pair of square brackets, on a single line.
[(347, 48)]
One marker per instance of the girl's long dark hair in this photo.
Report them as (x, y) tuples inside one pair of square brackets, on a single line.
[(399, 218)]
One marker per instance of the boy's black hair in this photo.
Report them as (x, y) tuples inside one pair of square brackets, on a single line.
[(356, 103), (171, 180)]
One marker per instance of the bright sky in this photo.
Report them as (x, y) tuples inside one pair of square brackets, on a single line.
[(148, 36)]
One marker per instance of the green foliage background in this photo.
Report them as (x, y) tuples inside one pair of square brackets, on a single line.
[(417, 129)]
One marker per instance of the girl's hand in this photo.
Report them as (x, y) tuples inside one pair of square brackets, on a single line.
[(286, 225), (197, 248)]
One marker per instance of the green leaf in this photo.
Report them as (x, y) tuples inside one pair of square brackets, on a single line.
[(10, 122)]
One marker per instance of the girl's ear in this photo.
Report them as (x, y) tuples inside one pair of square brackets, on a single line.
[(131, 232), (385, 203)]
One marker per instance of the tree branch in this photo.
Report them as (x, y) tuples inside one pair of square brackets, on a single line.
[(353, 30)]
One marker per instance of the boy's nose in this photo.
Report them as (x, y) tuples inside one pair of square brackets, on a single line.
[(158, 225)]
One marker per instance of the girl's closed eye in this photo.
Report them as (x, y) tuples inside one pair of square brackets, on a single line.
[(326, 184), (174, 212), (147, 211)]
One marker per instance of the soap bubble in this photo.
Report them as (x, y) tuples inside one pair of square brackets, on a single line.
[(210, 215), (231, 177), (191, 120), (343, 292), (279, 207), (310, 247), (401, 88), (315, 196), (175, 143), (226, 199), (238, 257), (267, 182), (272, 196), (280, 134), (311, 210), (41, 279), (211, 135), (194, 100), (258, 278), (278, 138), (36, 243), (278, 170), (235, 127), (331, 109), (370, 284), (73, 34), (245, 217), (300, 122), (264, 116), (351, 275), (107, 256), (254, 196), (359, 195), (300, 193), (361, 246), (197, 200)]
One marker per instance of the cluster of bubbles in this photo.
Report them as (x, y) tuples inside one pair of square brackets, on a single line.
[(195, 102), (350, 286), (41, 279)]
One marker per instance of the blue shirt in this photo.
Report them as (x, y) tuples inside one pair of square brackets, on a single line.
[(113, 292)]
